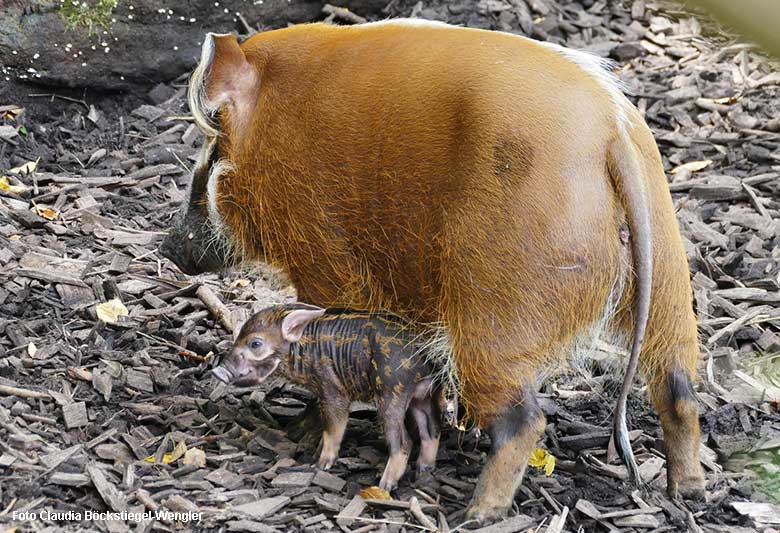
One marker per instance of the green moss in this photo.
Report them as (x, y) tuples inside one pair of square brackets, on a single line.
[(91, 15)]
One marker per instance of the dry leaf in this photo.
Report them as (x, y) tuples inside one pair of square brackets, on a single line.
[(12, 111), (176, 454), (692, 166), (114, 368), (6, 186), (32, 349), (14, 237), (195, 456), (46, 212), (28, 168), (542, 460), (110, 311), (375, 493), (169, 457)]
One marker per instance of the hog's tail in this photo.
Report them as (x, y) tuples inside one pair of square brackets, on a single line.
[(628, 175)]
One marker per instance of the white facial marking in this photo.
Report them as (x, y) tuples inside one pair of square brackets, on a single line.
[(220, 167)]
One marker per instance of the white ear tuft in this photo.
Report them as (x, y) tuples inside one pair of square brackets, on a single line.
[(223, 78)]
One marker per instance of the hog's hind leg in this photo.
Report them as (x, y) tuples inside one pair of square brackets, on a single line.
[(670, 370), (668, 360)]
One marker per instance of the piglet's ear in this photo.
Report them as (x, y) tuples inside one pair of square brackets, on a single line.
[(224, 78), (296, 320)]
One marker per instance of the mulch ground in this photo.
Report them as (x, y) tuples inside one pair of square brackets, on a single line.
[(126, 417)]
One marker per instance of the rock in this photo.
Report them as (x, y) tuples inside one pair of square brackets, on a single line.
[(145, 45), (627, 51), (161, 93)]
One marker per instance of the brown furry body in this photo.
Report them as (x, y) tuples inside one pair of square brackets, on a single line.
[(473, 180)]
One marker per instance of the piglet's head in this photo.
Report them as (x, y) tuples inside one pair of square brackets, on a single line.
[(264, 342), (223, 93)]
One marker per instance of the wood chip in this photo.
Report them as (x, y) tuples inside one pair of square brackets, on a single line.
[(114, 499)]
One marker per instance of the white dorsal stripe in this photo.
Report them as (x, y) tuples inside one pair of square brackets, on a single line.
[(598, 68)]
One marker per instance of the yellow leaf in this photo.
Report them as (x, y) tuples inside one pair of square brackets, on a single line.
[(6, 186), (12, 112), (170, 457), (110, 311), (28, 168), (32, 349), (542, 460), (375, 493), (177, 452), (195, 456), (46, 212), (549, 466), (692, 166)]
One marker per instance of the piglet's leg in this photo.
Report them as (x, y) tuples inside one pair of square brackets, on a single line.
[(335, 415), (428, 417), (398, 442)]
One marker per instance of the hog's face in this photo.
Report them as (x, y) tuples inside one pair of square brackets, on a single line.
[(193, 243), (222, 96)]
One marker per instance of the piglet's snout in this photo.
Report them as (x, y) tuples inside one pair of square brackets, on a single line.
[(233, 367), (223, 374)]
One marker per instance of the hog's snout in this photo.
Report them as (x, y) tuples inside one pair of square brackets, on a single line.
[(194, 247), (179, 254)]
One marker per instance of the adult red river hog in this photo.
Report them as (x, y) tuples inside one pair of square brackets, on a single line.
[(476, 182)]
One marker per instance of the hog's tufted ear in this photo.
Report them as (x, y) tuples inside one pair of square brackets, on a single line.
[(297, 320), (224, 79)]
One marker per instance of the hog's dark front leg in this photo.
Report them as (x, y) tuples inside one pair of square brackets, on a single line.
[(514, 435)]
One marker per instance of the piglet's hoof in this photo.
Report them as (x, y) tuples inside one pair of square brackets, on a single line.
[(388, 486), (326, 463)]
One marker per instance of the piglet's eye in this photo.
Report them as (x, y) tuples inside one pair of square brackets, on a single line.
[(256, 344)]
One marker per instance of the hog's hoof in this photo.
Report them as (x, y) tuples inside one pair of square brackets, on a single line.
[(691, 488), (481, 513)]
